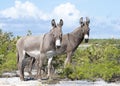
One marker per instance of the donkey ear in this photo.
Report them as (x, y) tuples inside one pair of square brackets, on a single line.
[(81, 20), (53, 23), (61, 22), (87, 20)]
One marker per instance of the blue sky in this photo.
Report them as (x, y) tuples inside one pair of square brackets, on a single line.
[(19, 16)]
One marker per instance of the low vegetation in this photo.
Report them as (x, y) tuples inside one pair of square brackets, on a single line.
[(96, 61), (7, 52), (100, 60)]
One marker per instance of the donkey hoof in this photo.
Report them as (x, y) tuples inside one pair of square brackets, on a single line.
[(29, 78), (22, 79), (49, 78), (40, 80), (26, 79)]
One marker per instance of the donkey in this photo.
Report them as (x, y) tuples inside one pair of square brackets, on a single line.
[(31, 45), (71, 41)]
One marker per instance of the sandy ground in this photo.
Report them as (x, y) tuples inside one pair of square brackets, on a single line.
[(15, 81)]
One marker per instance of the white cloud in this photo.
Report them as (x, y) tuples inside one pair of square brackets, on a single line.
[(23, 10), (67, 12), (101, 26)]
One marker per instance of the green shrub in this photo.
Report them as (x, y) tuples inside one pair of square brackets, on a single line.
[(7, 52), (97, 61), (10, 63)]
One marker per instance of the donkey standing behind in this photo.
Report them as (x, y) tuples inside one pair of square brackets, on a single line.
[(32, 45), (71, 41)]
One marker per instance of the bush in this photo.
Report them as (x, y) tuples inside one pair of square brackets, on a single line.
[(7, 52), (10, 63), (97, 61)]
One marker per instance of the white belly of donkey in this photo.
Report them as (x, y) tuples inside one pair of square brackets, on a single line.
[(36, 53), (50, 53)]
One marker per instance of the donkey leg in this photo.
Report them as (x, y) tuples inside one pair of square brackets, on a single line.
[(21, 68), (38, 69), (29, 71), (68, 59), (40, 64), (49, 67), (31, 66)]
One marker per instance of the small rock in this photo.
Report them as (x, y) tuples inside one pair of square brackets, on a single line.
[(9, 74)]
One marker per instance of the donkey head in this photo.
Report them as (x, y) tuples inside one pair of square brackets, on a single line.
[(57, 32), (85, 28)]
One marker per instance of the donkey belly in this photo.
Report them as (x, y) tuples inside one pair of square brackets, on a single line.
[(34, 53), (50, 53)]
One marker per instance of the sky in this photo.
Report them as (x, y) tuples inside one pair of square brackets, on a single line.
[(19, 16)]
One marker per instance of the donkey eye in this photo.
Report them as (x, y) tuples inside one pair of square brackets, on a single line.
[(53, 35), (82, 24)]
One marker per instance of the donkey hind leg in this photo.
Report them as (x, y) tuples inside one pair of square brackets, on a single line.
[(49, 67), (24, 64), (30, 67), (68, 59), (37, 75), (21, 68), (37, 66), (30, 72), (40, 64)]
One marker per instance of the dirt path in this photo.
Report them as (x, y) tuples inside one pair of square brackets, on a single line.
[(15, 81)]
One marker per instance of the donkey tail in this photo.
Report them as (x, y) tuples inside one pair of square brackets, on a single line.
[(17, 54)]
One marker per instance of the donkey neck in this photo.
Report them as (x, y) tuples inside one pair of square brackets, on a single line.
[(48, 42), (78, 34), (75, 38)]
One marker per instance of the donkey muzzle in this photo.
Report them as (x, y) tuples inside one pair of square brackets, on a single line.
[(86, 37), (58, 43)]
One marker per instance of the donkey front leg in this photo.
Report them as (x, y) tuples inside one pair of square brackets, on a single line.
[(68, 59), (49, 67)]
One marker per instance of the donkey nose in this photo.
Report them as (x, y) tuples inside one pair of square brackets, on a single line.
[(57, 47), (86, 37), (86, 40), (58, 43)]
